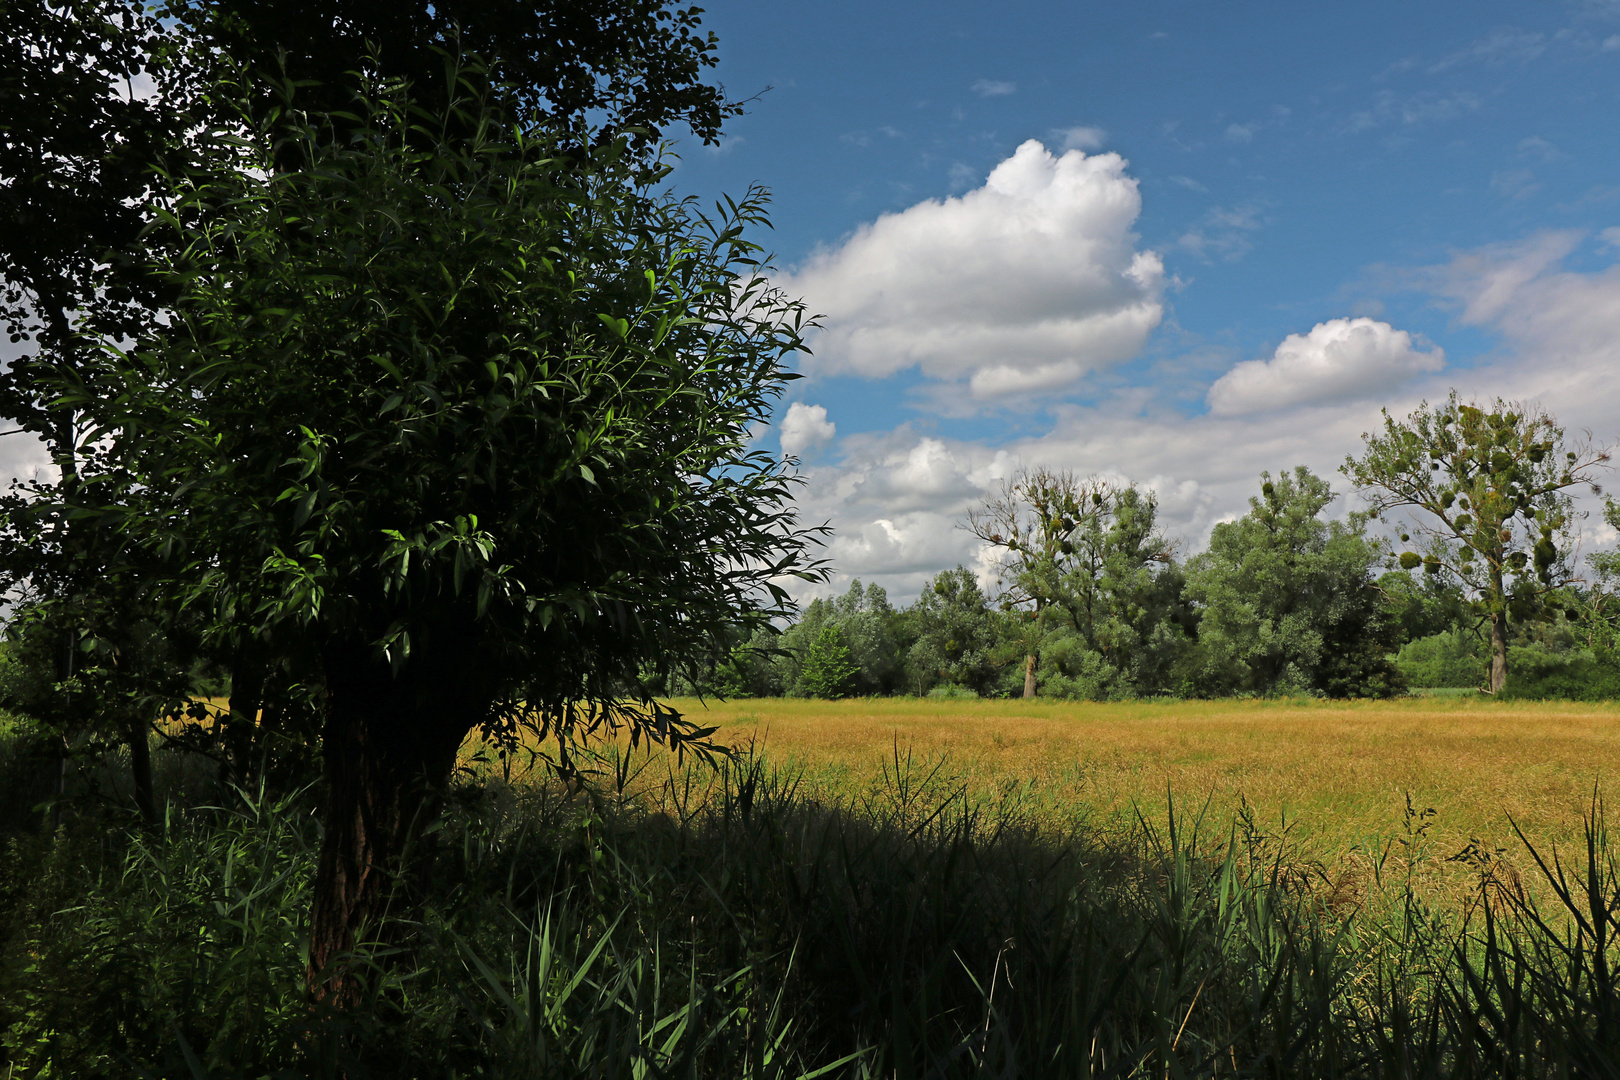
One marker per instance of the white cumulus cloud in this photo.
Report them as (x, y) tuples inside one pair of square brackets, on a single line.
[(1341, 359), (1022, 285), (805, 426)]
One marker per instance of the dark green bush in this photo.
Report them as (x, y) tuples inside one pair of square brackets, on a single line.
[(1536, 673)]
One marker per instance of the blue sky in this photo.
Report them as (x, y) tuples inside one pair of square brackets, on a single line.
[(1170, 243)]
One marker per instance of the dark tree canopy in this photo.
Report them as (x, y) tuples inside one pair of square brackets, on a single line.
[(77, 150), (1289, 601), (591, 68)]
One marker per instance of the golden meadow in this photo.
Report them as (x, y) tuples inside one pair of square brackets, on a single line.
[(1347, 784)]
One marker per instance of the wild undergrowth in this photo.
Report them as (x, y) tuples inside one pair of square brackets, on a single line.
[(728, 923)]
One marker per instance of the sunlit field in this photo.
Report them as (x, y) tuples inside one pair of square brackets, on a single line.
[(1335, 775)]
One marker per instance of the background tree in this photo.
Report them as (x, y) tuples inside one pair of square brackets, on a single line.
[(1032, 523), (1121, 589), (829, 671), (470, 435), (954, 635), (1288, 601), (1488, 492), (866, 625)]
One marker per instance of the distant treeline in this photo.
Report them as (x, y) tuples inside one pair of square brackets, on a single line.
[(1284, 602)]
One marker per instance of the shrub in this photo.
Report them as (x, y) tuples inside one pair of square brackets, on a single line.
[(1442, 660)]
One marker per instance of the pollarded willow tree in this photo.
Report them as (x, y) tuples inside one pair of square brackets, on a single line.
[(1487, 486), (460, 429)]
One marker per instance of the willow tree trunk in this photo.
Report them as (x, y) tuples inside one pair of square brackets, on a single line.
[(389, 745)]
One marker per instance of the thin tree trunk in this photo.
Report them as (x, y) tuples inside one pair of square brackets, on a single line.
[(1029, 676), (242, 714), (1498, 652), (59, 783), (140, 767)]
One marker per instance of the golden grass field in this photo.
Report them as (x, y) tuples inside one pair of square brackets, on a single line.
[(1339, 771)]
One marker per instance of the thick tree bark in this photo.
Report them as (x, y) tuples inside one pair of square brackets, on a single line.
[(390, 747), (1498, 652), (1029, 676)]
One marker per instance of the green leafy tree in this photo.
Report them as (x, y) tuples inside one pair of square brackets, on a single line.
[(1487, 491), (1086, 560), (1032, 524), (95, 95), (955, 635), (1122, 590), (463, 431), (1288, 601), (865, 622), (829, 671)]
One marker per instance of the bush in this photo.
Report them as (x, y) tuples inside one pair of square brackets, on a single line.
[(1537, 673), (950, 692), (1445, 660)]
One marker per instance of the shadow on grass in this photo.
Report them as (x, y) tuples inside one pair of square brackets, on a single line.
[(728, 924)]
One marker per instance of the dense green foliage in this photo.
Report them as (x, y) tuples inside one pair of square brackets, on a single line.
[(437, 417), (1289, 601), (1285, 601)]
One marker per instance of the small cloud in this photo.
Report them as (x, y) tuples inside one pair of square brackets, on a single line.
[(1241, 133), (1188, 182), (804, 427), (1080, 138), (1611, 236), (1339, 360), (1224, 233), (726, 145), (994, 88), (1536, 146), (1611, 43), (1412, 109), (1502, 47), (962, 176), (891, 132), (1515, 184)]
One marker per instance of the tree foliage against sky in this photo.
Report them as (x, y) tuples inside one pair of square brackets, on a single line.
[(1488, 488), (1289, 601)]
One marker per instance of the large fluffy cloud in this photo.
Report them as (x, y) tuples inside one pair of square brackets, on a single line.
[(1017, 287), (895, 498), (1337, 360)]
